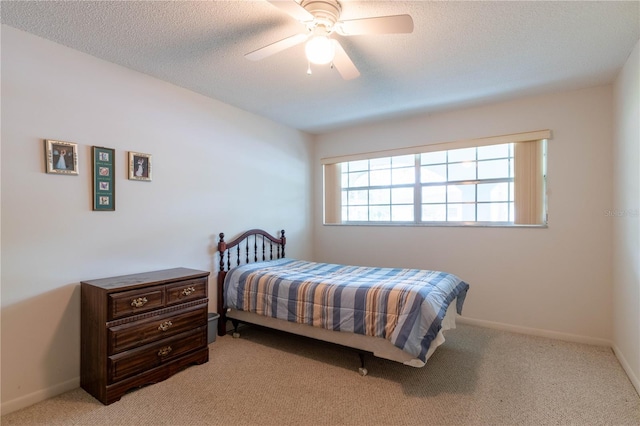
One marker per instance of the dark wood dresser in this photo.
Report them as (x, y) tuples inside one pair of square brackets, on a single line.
[(140, 329)]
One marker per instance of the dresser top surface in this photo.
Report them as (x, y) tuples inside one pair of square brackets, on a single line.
[(145, 278)]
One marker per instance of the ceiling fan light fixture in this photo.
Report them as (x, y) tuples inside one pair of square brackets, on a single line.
[(321, 19), (320, 50)]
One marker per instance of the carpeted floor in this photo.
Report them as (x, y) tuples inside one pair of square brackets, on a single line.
[(478, 377)]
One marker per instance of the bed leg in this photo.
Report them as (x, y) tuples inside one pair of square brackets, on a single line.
[(363, 371), (222, 323), (235, 333)]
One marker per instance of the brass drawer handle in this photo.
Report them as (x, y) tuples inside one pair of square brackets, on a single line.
[(165, 326), (164, 351), (187, 291), (140, 301)]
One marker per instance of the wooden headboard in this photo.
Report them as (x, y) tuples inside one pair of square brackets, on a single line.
[(252, 246)]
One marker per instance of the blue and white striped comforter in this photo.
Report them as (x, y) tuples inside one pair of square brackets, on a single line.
[(404, 306)]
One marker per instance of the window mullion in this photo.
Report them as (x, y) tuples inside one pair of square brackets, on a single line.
[(446, 189), (475, 188), (369, 190), (417, 192)]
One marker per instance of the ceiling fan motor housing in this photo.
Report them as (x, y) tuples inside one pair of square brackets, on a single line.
[(325, 12)]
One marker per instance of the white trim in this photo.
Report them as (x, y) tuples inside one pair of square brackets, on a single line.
[(442, 146), (38, 396), (627, 368), (568, 337)]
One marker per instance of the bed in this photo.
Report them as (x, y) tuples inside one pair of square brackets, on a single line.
[(392, 313)]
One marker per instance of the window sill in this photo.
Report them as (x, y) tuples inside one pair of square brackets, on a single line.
[(439, 225)]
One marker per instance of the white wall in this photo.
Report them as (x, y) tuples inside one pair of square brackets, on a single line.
[(626, 218), (554, 281), (216, 169)]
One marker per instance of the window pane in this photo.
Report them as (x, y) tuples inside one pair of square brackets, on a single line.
[(462, 171), (403, 160), (434, 213), (461, 212), (431, 174), (464, 154), (402, 196), (493, 151), (345, 198), (355, 166), (358, 213), (380, 177), (402, 213), (380, 213), (434, 194), (459, 193), (493, 191), (358, 179), (493, 169), (403, 175), (493, 212), (379, 196), (358, 198), (380, 163), (437, 157)]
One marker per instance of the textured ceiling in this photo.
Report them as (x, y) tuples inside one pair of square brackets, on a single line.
[(460, 53)]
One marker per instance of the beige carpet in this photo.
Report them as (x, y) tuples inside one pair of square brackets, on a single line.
[(478, 377)]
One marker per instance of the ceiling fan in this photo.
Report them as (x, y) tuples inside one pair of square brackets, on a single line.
[(322, 19)]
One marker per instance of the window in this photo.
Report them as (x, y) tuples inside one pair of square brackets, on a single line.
[(473, 183), (378, 190), (467, 185)]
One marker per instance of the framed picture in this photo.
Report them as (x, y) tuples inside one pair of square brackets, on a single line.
[(61, 157), (139, 166), (104, 184)]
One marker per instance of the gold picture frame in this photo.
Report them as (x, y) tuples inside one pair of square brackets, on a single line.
[(140, 166), (61, 157)]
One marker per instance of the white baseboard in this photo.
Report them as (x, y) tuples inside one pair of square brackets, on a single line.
[(627, 368), (576, 338), (41, 395)]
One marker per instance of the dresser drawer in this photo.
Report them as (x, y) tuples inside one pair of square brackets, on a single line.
[(139, 333), (130, 363), (136, 301), (185, 291)]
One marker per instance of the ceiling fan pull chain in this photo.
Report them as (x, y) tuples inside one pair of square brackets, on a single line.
[(309, 68)]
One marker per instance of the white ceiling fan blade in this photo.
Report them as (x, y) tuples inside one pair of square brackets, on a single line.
[(397, 24), (343, 63), (273, 48), (293, 9)]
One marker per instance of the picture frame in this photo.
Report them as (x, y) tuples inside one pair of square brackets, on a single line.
[(104, 184), (61, 157), (140, 167)]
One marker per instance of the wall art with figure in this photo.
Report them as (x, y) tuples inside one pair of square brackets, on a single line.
[(139, 166), (61, 157)]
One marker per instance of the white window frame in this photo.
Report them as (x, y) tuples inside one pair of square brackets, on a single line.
[(528, 179)]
